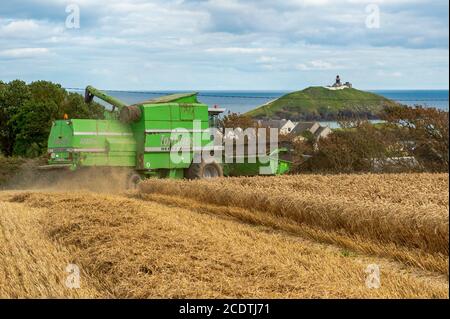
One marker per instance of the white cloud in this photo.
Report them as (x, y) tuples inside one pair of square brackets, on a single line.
[(318, 65), (101, 71), (236, 50), (24, 52), (27, 29), (265, 44), (268, 59), (18, 26), (392, 74)]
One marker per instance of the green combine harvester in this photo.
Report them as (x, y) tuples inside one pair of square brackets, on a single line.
[(141, 137)]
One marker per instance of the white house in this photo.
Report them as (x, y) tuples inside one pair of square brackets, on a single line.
[(314, 128), (284, 126)]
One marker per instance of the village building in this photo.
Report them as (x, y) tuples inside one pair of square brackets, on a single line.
[(303, 127), (314, 128), (287, 127), (322, 132), (284, 126)]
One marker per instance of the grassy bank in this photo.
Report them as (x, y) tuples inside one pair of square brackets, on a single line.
[(319, 103)]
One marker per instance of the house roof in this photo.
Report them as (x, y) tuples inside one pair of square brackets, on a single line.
[(320, 130), (274, 123), (306, 126)]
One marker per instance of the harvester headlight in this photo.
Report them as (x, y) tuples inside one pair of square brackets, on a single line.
[(52, 155)]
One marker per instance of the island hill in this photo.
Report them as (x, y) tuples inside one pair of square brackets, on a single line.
[(323, 104)]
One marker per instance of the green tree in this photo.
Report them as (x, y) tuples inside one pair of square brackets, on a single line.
[(424, 134), (235, 120), (33, 121), (354, 148), (12, 97), (27, 113), (3, 116), (48, 92), (75, 107)]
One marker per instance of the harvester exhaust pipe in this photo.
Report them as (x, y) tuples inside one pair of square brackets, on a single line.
[(127, 113)]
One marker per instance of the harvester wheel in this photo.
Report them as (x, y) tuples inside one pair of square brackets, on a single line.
[(204, 170), (133, 181)]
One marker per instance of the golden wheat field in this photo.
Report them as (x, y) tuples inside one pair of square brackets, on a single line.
[(304, 236)]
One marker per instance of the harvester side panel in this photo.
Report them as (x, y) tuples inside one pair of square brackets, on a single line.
[(96, 142), (161, 122)]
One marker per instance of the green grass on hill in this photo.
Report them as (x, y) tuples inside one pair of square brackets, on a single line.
[(319, 103)]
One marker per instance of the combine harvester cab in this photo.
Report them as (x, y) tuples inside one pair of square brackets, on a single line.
[(142, 139)]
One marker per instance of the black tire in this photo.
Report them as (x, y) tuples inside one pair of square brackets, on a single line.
[(133, 181), (204, 170)]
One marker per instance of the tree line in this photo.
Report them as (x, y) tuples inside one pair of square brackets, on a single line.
[(410, 139), (28, 110)]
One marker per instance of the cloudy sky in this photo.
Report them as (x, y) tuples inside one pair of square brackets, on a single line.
[(226, 44)]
